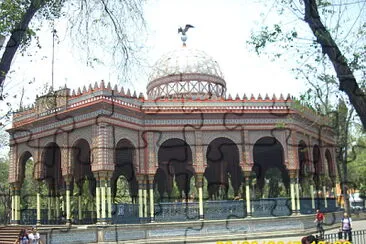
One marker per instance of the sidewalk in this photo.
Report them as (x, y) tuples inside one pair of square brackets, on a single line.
[(356, 225)]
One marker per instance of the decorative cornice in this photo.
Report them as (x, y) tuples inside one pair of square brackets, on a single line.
[(101, 93)]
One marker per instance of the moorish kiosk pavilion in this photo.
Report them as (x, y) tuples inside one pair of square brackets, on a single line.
[(186, 151)]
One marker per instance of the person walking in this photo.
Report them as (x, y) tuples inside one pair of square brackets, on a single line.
[(319, 220), (346, 227)]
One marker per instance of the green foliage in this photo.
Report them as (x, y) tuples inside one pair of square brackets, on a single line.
[(29, 188), (86, 199), (268, 35), (122, 191), (274, 186), (5, 198), (357, 164), (290, 39), (12, 13)]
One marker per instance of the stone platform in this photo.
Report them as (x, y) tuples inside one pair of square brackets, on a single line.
[(187, 232)]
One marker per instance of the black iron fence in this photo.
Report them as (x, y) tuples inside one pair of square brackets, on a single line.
[(29, 217), (356, 237), (188, 211), (319, 203)]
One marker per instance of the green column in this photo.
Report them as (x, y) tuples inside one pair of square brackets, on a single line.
[(312, 196), (335, 195), (49, 208), (297, 195), (199, 185), (109, 200), (140, 203), (103, 200), (293, 202), (38, 207), (151, 194), (58, 214), (80, 210), (145, 198), (325, 197), (247, 197), (13, 215), (97, 199), (249, 211), (68, 202), (140, 182), (15, 205)]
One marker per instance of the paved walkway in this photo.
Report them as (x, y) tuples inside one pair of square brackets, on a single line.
[(356, 225)]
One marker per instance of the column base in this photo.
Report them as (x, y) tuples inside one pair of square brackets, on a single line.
[(102, 221), (201, 217), (144, 220), (249, 215), (15, 222)]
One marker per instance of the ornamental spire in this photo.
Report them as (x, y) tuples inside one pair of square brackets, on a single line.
[(183, 31)]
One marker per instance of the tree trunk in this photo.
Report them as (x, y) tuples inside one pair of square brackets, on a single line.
[(16, 37), (347, 81)]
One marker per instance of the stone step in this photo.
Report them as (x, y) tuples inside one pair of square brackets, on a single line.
[(9, 234)]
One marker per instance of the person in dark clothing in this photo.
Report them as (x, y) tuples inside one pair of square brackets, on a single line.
[(309, 239), (23, 237)]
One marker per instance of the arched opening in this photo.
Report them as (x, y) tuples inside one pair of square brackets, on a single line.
[(223, 173), (28, 189), (124, 173), (271, 173), (83, 184), (51, 162), (175, 171), (305, 171)]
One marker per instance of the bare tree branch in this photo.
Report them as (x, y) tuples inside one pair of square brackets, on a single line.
[(347, 81)]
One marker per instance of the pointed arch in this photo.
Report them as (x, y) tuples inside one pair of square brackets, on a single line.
[(125, 157), (174, 167), (223, 163), (268, 153)]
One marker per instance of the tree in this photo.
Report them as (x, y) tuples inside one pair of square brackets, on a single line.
[(324, 43), (5, 197), (87, 17), (357, 166)]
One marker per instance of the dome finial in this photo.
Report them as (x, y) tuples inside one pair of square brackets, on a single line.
[(183, 31)]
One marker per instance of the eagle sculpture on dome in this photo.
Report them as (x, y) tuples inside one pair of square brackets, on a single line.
[(183, 31), (180, 29)]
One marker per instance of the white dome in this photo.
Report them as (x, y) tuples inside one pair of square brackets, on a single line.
[(186, 72), (185, 60)]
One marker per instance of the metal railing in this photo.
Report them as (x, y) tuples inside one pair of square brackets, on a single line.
[(357, 237)]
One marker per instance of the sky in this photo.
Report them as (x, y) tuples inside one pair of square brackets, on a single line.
[(222, 29)]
